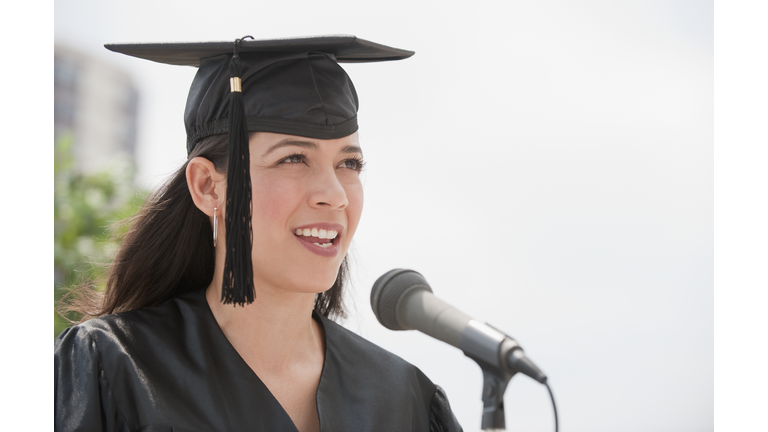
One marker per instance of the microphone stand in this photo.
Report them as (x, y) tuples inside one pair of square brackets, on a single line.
[(495, 382), (500, 358)]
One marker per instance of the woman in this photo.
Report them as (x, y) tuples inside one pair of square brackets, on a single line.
[(224, 326)]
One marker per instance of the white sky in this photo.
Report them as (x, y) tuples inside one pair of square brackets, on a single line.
[(547, 166)]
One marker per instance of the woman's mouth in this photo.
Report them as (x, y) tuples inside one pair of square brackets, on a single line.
[(321, 241), (317, 236)]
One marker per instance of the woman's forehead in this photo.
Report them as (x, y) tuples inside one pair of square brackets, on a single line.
[(267, 142)]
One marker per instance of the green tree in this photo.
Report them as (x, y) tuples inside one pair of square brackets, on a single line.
[(86, 211)]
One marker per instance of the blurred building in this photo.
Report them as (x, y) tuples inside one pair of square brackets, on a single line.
[(96, 105)]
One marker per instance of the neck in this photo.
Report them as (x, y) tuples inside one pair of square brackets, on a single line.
[(278, 326)]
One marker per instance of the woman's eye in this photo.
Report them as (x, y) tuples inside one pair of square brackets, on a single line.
[(294, 159), (353, 164)]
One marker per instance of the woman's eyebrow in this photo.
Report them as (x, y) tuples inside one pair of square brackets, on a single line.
[(351, 149), (290, 142)]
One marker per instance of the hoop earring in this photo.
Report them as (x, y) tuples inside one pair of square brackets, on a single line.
[(215, 226)]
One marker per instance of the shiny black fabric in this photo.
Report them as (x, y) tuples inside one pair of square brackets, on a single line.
[(305, 94), (170, 368), (292, 86)]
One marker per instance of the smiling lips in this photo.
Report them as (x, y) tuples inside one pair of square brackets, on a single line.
[(320, 234), (318, 240)]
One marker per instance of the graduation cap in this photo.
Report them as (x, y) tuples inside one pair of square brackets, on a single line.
[(291, 86)]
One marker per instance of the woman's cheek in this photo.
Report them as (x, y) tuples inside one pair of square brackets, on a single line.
[(274, 200), (355, 196)]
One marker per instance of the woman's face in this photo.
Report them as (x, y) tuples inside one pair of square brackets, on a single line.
[(307, 202)]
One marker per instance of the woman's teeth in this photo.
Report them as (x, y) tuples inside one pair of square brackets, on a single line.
[(319, 233)]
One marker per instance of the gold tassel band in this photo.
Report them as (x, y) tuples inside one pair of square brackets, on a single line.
[(235, 84)]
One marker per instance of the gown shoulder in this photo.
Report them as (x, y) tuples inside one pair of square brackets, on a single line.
[(170, 366)]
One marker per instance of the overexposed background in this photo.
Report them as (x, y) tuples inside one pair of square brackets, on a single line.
[(548, 167)]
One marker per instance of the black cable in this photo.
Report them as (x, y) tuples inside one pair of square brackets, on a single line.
[(554, 407)]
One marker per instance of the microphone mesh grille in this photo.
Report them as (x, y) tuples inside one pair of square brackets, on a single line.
[(387, 292)]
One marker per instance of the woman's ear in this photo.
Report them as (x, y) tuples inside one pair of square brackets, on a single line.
[(206, 186)]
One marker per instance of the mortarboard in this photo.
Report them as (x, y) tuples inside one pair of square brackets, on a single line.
[(292, 86)]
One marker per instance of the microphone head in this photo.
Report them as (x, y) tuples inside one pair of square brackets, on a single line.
[(387, 292)]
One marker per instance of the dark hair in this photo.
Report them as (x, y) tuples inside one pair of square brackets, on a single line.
[(168, 250)]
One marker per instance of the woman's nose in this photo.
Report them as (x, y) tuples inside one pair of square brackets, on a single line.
[(327, 190)]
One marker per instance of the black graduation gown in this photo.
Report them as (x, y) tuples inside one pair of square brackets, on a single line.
[(170, 368)]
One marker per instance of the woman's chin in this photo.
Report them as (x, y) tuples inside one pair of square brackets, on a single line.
[(315, 283), (320, 286)]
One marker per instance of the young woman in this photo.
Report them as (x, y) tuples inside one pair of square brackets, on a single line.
[(217, 309)]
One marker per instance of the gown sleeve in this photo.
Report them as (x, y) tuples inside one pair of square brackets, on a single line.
[(81, 391), (441, 418)]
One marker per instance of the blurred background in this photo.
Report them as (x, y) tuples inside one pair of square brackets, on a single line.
[(547, 166)]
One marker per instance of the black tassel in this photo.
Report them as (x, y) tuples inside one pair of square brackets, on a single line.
[(237, 286)]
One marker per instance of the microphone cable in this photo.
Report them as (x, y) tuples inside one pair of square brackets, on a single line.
[(554, 407)]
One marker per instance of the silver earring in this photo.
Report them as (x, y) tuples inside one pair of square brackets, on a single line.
[(215, 226)]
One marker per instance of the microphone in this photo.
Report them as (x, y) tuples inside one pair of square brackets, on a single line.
[(402, 300)]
